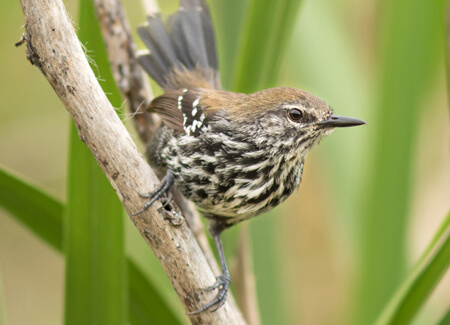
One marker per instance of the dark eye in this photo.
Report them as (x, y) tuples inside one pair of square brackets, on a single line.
[(295, 114)]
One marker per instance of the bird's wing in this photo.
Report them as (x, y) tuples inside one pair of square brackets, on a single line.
[(181, 110)]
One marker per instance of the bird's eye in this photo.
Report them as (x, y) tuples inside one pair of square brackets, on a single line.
[(295, 114)]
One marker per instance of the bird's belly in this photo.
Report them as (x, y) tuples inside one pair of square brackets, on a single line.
[(237, 193)]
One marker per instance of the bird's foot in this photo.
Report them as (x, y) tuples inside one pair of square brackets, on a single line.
[(222, 283), (166, 186)]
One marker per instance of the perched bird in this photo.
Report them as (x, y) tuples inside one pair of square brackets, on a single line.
[(234, 155)]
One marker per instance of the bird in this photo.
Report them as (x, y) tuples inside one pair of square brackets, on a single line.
[(234, 155)]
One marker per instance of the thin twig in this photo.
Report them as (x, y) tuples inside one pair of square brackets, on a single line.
[(242, 271), (129, 77), (53, 47)]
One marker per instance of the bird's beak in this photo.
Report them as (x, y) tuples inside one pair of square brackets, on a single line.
[(335, 121)]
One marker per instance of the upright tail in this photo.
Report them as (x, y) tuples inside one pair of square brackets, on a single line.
[(183, 52)]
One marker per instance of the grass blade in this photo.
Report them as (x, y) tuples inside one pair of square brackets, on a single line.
[(268, 28), (95, 264), (445, 320), (146, 305), (440, 233), (411, 27), (228, 18), (38, 211), (94, 235), (419, 285)]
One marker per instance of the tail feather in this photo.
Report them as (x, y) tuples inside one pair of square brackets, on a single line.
[(152, 67), (187, 27), (162, 50), (180, 41), (210, 39), (184, 49)]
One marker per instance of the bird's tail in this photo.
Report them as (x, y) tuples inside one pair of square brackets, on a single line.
[(182, 51)]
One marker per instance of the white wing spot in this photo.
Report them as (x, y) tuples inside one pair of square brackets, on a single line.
[(180, 100), (187, 129), (194, 111), (196, 124), (195, 103)]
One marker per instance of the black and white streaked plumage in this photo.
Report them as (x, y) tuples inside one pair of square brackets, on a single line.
[(234, 155)]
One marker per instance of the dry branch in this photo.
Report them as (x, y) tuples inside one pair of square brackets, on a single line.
[(242, 271), (129, 76), (53, 47)]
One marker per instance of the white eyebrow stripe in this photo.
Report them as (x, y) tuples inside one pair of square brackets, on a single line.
[(292, 106)]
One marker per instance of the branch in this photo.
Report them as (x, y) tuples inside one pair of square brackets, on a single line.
[(129, 77), (53, 47), (242, 271)]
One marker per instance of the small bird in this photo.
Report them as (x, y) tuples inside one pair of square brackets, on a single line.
[(234, 155)]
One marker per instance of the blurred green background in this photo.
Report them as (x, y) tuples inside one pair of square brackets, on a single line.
[(371, 199)]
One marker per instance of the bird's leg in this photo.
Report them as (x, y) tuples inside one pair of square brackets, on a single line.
[(164, 187), (222, 282)]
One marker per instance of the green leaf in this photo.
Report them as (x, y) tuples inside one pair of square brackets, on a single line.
[(147, 306), (94, 234), (145, 260), (425, 276), (445, 320), (267, 259), (40, 212), (94, 248), (264, 39), (410, 45), (228, 19), (440, 233)]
